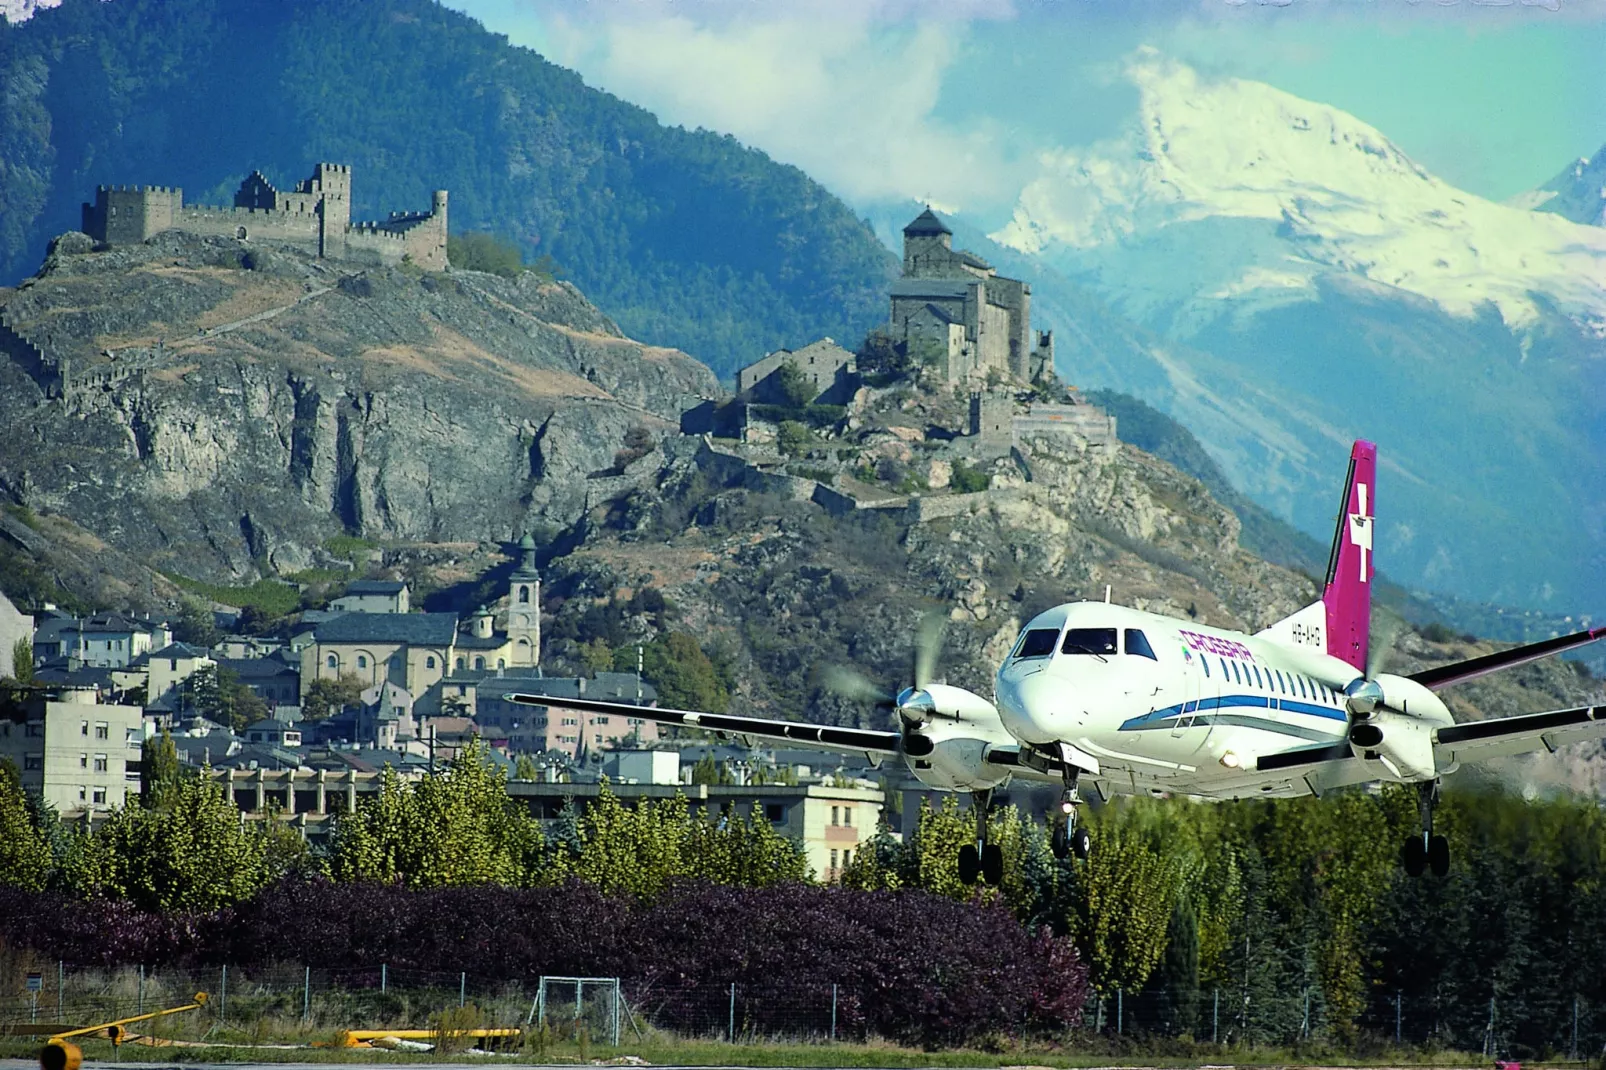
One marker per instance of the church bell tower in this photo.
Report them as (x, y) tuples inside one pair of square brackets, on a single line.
[(524, 607)]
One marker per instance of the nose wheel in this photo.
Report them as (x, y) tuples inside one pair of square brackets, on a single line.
[(1069, 839), (1427, 851), (981, 860)]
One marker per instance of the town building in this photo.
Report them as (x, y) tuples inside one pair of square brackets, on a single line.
[(74, 752), (14, 627), (554, 728), (169, 667), (275, 678), (373, 596), (826, 367), (100, 640), (950, 306), (315, 216)]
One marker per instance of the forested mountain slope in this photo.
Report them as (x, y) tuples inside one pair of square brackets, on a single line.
[(686, 239)]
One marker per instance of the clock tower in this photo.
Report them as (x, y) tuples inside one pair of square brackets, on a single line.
[(524, 608)]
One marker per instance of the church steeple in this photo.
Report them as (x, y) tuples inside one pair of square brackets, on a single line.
[(524, 607)]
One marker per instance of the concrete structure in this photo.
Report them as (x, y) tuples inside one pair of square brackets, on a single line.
[(830, 823), (14, 626), (554, 728), (952, 307), (273, 733), (628, 767), (170, 666), (827, 367), (101, 640), (315, 216), (74, 752), (374, 596)]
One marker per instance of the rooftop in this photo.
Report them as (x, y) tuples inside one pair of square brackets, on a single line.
[(926, 224), (375, 587), (420, 629)]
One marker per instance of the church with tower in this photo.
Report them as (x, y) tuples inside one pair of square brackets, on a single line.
[(415, 651)]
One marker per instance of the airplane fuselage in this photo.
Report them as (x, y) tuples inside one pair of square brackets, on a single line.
[(1165, 705)]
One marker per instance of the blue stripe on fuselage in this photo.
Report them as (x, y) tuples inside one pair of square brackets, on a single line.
[(1231, 701)]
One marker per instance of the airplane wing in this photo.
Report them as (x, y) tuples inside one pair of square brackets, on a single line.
[(1470, 741), (798, 733), (1472, 668)]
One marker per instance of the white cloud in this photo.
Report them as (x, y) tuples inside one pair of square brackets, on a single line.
[(846, 91)]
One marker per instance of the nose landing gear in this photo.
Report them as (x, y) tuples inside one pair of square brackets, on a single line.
[(1427, 851), (1068, 838), (981, 859)]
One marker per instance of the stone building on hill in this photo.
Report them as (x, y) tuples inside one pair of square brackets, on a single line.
[(315, 216), (952, 305), (826, 366)]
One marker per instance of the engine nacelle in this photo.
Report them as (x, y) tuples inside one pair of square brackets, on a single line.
[(1402, 743), (947, 732), (1400, 694)]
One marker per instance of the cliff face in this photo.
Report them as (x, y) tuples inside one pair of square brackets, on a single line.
[(225, 409)]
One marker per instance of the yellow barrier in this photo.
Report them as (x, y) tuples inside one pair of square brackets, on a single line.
[(359, 1038), (60, 1054)]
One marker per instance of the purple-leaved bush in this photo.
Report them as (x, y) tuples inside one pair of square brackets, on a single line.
[(908, 966)]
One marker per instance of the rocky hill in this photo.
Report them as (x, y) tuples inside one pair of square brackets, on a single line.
[(222, 410), (686, 238)]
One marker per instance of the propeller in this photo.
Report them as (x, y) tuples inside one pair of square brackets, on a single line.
[(1363, 695), (913, 703)]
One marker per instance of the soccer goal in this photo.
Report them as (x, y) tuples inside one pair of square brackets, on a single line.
[(571, 1004)]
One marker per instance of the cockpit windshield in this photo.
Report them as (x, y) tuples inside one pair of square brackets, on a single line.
[(1089, 641), (1038, 643)]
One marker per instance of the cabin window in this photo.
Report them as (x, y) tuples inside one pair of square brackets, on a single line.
[(1038, 643), (1258, 683), (1206, 663), (1138, 643), (1279, 676), (1236, 675), (1098, 641)]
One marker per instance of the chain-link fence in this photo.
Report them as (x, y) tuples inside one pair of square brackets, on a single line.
[(297, 1004)]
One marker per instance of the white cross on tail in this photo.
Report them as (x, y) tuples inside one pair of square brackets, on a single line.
[(1360, 527)]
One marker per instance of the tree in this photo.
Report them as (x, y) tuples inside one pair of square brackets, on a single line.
[(478, 251), (968, 480), (792, 387), (160, 771), (524, 768), (794, 438), (192, 852), (218, 695), (22, 661), (597, 656), (325, 697), (683, 674), (454, 828), (195, 624), (25, 857), (881, 356)]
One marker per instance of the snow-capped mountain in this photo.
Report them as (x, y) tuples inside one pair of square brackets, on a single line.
[(1578, 193), (1298, 280)]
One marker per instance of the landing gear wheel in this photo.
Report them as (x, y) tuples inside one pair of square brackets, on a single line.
[(1439, 856), (1081, 843), (1415, 857), (992, 864), (969, 864), (1059, 842)]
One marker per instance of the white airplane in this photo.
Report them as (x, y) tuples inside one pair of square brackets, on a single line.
[(1137, 703)]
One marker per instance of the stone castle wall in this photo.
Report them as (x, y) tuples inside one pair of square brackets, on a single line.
[(315, 217)]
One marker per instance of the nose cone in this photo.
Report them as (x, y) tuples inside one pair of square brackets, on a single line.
[(1035, 706)]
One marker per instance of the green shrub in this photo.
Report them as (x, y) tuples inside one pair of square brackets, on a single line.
[(968, 480), (479, 251)]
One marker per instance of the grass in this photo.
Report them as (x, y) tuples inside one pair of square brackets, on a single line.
[(350, 547), (270, 596)]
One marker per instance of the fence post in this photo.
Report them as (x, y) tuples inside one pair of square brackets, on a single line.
[(306, 996), (384, 977), (1573, 1052), (1398, 998), (1304, 1024), (1215, 1020), (139, 999), (223, 996), (833, 1017), (1488, 1036), (61, 982), (462, 988), (732, 1032), (1120, 1011), (618, 1010)]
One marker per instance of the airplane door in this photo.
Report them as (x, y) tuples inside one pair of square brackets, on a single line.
[(1190, 705)]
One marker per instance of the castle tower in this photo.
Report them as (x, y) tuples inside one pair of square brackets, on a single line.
[(480, 623), (524, 607), (332, 182), (924, 236)]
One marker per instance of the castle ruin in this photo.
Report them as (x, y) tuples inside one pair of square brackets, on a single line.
[(315, 217)]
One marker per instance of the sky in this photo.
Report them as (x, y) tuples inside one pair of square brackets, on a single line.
[(953, 101)]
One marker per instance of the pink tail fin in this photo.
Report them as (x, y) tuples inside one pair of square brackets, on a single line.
[(1348, 594)]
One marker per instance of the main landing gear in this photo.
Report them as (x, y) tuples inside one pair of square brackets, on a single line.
[(1069, 838), (981, 859), (1426, 851)]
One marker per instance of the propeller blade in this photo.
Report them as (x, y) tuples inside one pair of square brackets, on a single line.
[(852, 684), (928, 647)]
